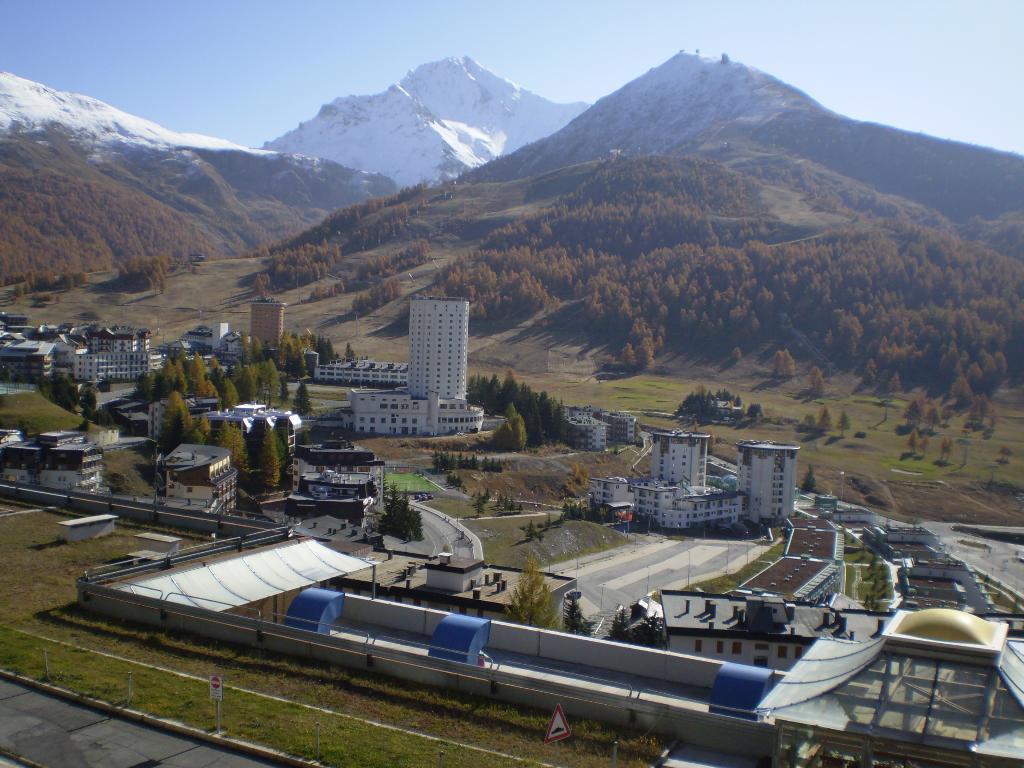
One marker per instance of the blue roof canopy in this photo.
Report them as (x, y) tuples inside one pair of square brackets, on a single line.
[(738, 689), (315, 610), (460, 638)]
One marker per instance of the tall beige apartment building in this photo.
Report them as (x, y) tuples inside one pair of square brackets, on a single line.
[(266, 319)]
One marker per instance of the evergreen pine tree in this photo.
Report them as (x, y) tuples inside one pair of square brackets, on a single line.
[(844, 423), (302, 403), (573, 619), (620, 629), (810, 482)]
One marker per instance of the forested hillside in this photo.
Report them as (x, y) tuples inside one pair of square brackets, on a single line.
[(663, 258)]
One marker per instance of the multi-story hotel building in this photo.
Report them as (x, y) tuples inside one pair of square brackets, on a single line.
[(434, 402), (266, 319), (766, 475), (680, 457)]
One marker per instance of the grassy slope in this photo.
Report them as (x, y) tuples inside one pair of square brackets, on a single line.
[(505, 542), (38, 598), (33, 413)]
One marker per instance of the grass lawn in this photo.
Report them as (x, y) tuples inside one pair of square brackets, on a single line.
[(455, 507), (407, 481), (722, 584), (505, 541), (33, 413), (38, 599)]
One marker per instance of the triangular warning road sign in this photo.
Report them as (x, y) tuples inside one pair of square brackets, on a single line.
[(559, 727)]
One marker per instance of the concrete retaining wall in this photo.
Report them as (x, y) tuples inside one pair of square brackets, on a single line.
[(160, 514), (690, 722)]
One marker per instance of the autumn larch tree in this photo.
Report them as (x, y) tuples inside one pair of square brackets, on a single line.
[(844, 423), (531, 602), (269, 465), (816, 382)]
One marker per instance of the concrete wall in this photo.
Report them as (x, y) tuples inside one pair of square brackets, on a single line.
[(145, 511), (688, 721)]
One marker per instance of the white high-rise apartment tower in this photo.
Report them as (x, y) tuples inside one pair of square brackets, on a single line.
[(766, 473), (438, 346), (680, 457)]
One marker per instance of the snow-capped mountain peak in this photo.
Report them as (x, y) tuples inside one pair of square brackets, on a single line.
[(442, 118), (27, 106), (684, 99)]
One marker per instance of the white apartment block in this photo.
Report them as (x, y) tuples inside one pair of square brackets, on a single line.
[(610, 490), (438, 347), (434, 402), (680, 458), (681, 506), (362, 373), (766, 475)]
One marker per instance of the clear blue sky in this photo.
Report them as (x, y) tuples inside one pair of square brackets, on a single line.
[(248, 71)]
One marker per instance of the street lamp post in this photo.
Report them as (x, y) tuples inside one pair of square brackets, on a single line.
[(842, 486)]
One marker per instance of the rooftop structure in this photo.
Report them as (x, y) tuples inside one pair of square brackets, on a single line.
[(253, 579), (763, 630), (362, 372), (939, 687), (825, 543), (448, 583), (796, 578)]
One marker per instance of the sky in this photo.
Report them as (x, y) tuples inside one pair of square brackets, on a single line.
[(249, 71)]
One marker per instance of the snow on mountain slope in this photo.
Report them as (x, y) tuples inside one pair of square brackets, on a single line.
[(29, 106), (443, 118), (678, 101)]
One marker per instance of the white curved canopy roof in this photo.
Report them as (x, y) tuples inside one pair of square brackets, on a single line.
[(233, 581)]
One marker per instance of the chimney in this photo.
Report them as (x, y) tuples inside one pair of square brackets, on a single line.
[(826, 618), (713, 610), (445, 558), (879, 627), (711, 625), (408, 583), (743, 616), (735, 612), (389, 554), (792, 630), (708, 606), (687, 611), (476, 593), (841, 624)]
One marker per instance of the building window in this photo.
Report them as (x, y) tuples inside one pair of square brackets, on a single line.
[(737, 647), (798, 652), (698, 645), (782, 652), (719, 646)]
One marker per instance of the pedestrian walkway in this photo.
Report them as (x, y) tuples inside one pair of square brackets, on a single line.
[(44, 729)]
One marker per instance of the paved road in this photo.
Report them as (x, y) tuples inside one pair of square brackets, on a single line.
[(440, 532), (1000, 559), (624, 575), (50, 731)]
